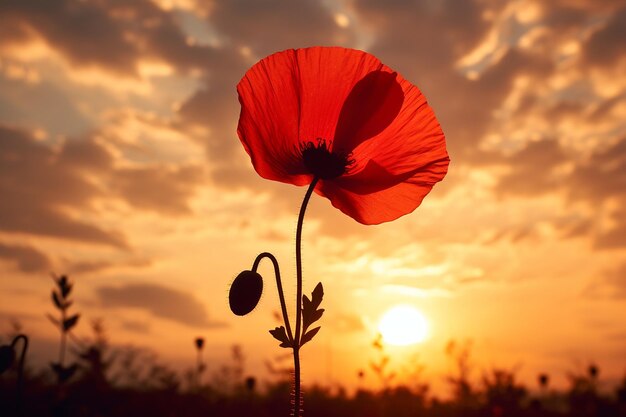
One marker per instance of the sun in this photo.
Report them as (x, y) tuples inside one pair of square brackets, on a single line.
[(403, 325)]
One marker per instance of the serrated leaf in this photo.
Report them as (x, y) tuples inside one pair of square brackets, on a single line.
[(309, 335), (280, 334), (53, 320), (317, 314), (56, 300), (310, 311), (318, 294), (70, 322)]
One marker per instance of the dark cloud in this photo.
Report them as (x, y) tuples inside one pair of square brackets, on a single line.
[(158, 188), (38, 189), (85, 32), (113, 35), (41, 105), (162, 302), (26, 258), (607, 45), (601, 176), (615, 237), (43, 185), (86, 267), (532, 169), (268, 26)]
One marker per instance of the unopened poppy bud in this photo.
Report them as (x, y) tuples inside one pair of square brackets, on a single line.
[(245, 292), (7, 355)]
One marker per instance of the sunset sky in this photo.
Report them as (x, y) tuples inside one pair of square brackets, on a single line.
[(120, 165)]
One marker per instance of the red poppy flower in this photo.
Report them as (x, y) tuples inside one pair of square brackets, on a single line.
[(344, 117)]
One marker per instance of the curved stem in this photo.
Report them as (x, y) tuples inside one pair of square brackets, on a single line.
[(279, 285), (305, 202), (20, 370), (296, 344)]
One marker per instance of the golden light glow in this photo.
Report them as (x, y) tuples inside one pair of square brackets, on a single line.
[(403, 325)]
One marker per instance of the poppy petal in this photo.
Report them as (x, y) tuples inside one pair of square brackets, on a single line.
[(375, 178), (373, 103), (296, 96), (269, 94), (384, 205), (328, 75), (413, 139)]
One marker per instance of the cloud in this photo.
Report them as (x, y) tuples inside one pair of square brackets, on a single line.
[(532, 169), (607, 46), (273, 25), (84, 32), (113, 36), (601, 176), (86, 267), (158, 188), (26, 258), (162, 302), (50, 188), (40, 190)]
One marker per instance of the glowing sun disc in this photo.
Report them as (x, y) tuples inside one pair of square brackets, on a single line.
[(403, 325)]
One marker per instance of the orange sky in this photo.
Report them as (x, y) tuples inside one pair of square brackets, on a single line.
[(120, 165)]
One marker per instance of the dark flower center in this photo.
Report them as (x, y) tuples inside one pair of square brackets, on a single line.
[(323, 163)]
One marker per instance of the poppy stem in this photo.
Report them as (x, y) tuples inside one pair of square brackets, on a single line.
[(279, 285), (20, 371), (296, 344)]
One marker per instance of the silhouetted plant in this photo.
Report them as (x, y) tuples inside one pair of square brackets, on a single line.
[(250, 384), (414, 373), (96, 358), (502, 392), (200, 366), (461, 387), (380, 366), (8, 360), (65, 323), (583, 394), (229, 377)]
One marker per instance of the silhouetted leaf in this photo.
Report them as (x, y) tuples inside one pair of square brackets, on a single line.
[(318, 294), (280, 334), (57, 300), (53, 320), (317, 315), (7, 356), (66, 290), (64, 285), (70, 322), (310, 311), (306, 303), (309, 335)]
